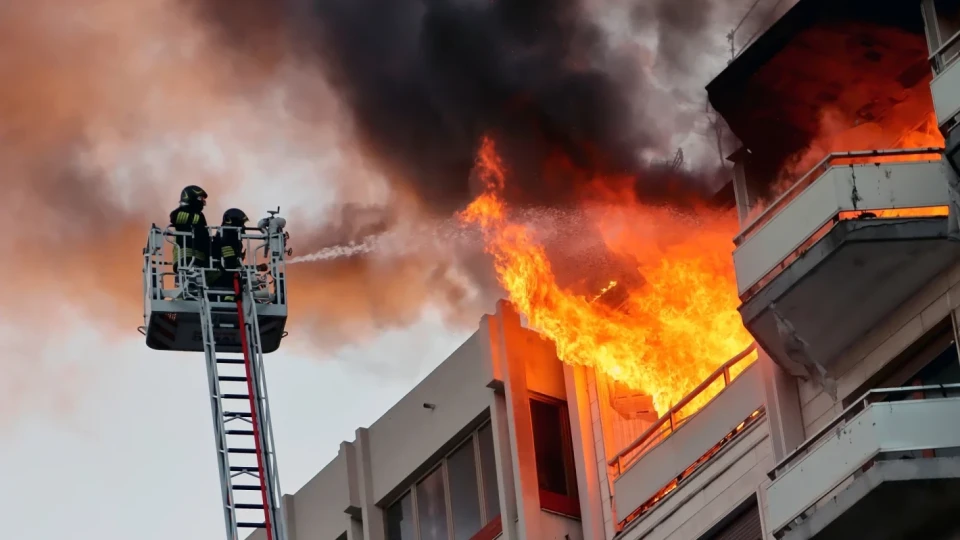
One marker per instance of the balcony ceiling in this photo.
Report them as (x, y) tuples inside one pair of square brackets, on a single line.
[(893, 500), (891, 258), (854, 55)]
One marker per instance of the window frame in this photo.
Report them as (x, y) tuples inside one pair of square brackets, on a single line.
[(491, 526), (935, 38), (566, 505), (902, 369)]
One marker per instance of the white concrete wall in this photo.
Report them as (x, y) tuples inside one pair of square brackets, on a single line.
[(603, 455), (711, 493), (883, 343), (557, 527), (531, 365), (408, 435), (496, 370), (320, 506), (544, 371), (585, 456)]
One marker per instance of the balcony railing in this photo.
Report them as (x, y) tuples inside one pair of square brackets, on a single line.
[(831, 160), (670, 422), (910, 181), (863, 432)]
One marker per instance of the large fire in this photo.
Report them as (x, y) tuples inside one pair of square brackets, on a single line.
[(674, 329)]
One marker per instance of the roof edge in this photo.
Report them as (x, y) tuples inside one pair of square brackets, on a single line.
[(765, 47)]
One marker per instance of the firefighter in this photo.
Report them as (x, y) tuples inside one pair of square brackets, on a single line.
[(193, 250), (230, 246)]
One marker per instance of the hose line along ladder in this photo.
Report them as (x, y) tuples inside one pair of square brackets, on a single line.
[(233, 335), (242, 428)]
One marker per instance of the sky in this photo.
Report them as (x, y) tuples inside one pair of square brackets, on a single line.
[(131, 455)]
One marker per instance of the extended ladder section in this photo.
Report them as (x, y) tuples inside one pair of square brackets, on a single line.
[(241, 415), (189, 306)]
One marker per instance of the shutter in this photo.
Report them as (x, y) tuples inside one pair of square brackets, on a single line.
[(745, 526)]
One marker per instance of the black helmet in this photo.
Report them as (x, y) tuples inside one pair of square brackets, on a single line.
[(235, 217), (192, 195)]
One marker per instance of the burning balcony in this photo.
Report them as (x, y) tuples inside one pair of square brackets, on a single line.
[(838, 251), (667, 453), (841, 185), (879, 470)]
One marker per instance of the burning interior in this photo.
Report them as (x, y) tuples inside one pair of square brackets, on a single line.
[(827, 77)]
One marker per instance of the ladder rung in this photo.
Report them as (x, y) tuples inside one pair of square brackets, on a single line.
[(251, 525), (229, 360), (244, 468), (232, 378), (239, 432), (234, 396), (247, 488), (248, 506), (242, 450), (238, 414)]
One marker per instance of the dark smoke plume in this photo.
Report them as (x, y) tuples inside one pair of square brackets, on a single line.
[(424, 80)]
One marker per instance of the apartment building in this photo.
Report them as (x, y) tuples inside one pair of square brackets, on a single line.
[(841, 422)]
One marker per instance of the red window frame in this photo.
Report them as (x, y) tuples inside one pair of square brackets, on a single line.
[(568, 505), (490, 530)]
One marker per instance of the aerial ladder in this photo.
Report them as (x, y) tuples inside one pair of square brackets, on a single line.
[(183, 311)]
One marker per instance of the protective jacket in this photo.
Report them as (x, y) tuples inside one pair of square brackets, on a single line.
[(190, 219), (230, 246)]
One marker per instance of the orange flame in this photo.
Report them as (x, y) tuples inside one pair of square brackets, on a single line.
[(676, 328), (841, 132)]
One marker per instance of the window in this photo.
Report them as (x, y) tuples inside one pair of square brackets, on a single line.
[(948, 18), (400, 519), (943, 369), (488, 471), (464, 492), (432, 507), (931, 360), (458, 500), (918, 362), (553, 446), (942, 20)]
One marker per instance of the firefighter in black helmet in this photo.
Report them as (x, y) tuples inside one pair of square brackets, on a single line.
[(230, 246), (193, 250)]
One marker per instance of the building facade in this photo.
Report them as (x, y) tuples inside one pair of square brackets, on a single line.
[(841, 422)]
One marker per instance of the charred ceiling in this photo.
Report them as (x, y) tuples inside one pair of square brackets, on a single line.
[(857, 56)]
